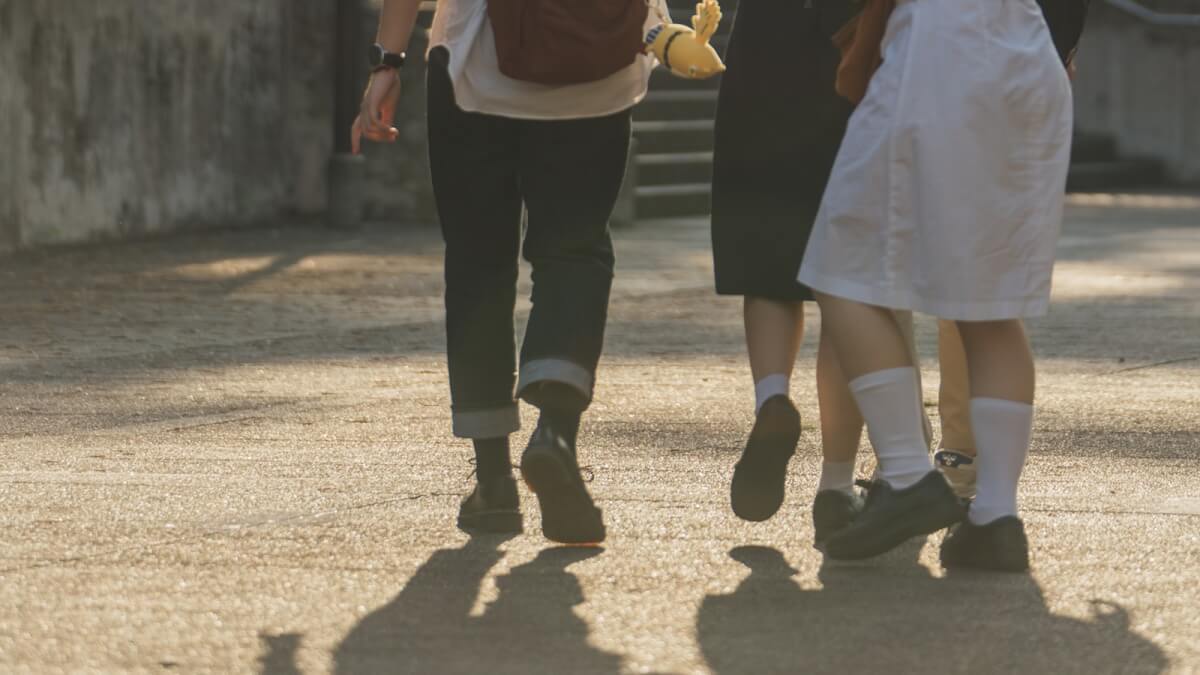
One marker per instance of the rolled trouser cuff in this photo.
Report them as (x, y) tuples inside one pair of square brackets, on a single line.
[(556, 370), (486, 423)]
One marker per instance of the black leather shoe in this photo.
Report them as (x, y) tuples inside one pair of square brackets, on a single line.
[(760, 476), (568, 514), (833, 510), (999, 546), (891, 517), (492, 507)]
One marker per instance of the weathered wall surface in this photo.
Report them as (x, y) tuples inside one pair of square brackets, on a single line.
[(122, 117), (1141, 85)]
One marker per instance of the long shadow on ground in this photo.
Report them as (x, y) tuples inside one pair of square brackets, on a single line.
[(900, 619), (529, 628)]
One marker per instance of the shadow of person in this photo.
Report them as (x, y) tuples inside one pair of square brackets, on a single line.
[(530, 627), (899, 618), (279, 654)]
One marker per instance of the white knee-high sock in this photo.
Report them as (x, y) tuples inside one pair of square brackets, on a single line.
[(891, 404), (837, 476), (771, 385), (1002, 433)]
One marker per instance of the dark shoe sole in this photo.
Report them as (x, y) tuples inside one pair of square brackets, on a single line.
[(568, 514), (1004, 549), (492, 522), (939, 512), (760, 477)]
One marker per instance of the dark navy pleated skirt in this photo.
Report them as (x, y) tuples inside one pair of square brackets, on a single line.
[(779, 124)]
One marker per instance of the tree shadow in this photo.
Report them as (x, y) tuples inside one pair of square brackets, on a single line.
[(529, 628), (871, 617)]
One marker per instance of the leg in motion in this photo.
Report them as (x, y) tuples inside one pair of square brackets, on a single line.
[(1001, 370), (909, 498), (904, 321), (569, 203), (774, 330), (955, 457), (494, 505), (837, 502), (473, 163)]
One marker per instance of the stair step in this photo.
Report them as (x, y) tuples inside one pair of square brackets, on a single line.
[(663, 136), (677, 184), (1114, 175), (682, 12), (674, 168), (678, 105), (665, 201), (663, 126), (661, 78), (680, 7), (664, 80)]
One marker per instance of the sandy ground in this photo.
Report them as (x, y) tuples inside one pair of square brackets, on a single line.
[(230, 453)]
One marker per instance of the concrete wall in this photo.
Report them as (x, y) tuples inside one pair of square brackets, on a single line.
[(1141, 85), (123, 117)]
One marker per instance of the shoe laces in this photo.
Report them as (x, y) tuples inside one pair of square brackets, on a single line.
[(475, 468), (871, 486), (587, 472)]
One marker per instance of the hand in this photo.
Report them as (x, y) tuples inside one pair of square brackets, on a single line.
[(378, 111)]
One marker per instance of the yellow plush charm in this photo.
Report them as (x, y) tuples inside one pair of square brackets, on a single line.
[(686, 51)]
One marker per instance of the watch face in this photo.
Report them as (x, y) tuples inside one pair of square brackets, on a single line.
[(375, 55)]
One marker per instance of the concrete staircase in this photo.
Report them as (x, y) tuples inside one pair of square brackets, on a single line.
[(673, 129)]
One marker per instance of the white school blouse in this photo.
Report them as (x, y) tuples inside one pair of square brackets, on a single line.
[(463, 28)]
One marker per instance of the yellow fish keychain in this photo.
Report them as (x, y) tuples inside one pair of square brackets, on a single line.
[(685, 51)]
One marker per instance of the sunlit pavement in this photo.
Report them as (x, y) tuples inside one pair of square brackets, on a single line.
[(230, 452)]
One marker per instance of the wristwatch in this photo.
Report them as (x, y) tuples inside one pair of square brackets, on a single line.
[(380, 58)]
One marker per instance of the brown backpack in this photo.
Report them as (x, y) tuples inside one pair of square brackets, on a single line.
[(560, 42)]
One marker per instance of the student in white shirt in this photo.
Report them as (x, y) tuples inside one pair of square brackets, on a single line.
[(504, 152)]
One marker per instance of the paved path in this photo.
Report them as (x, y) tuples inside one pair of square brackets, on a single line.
[(231, 453)]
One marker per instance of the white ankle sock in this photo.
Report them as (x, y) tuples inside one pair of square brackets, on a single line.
[(891, 405), (837, 476), (1002, 433), (771, 385)]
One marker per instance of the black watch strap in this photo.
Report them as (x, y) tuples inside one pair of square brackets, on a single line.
[(380, 58)]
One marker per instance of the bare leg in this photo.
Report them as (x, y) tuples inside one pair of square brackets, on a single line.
[(867, 338), (909, 499), (904, 320), (878, 364), (841, 423), (954, 393), (1001, 371), (837, 503), (774, 330), (956, 455), (999, 361)]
